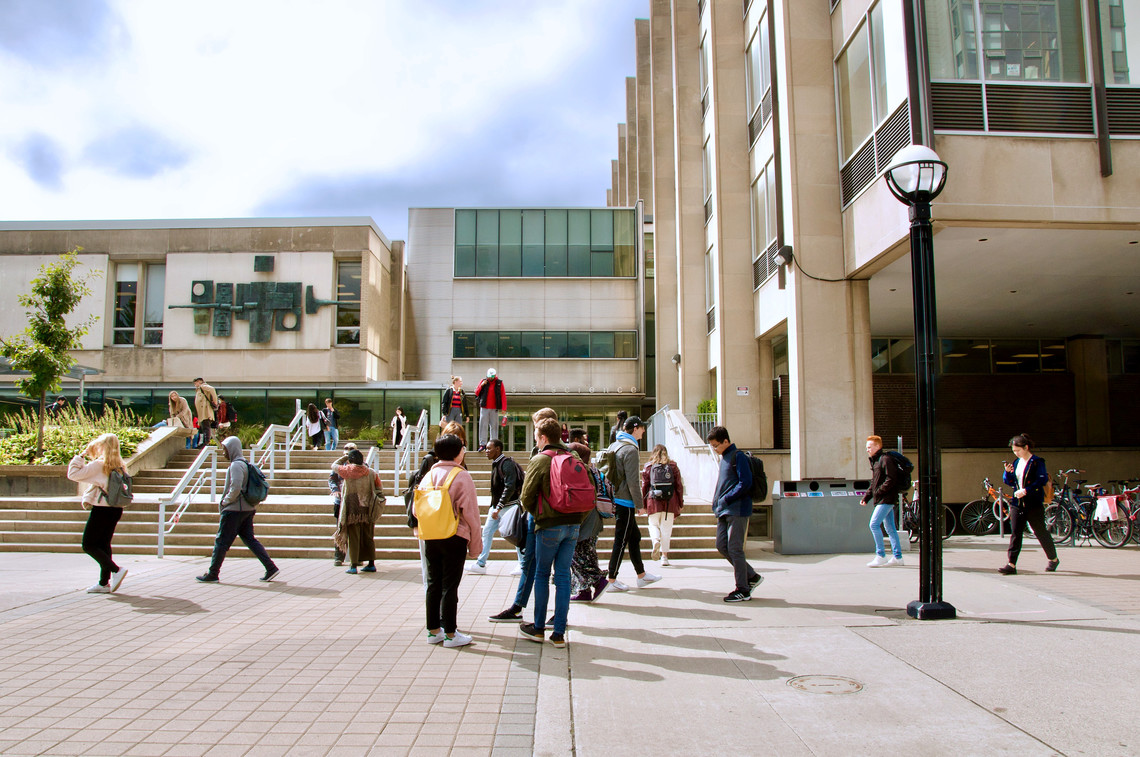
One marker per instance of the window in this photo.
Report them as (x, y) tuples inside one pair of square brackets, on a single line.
[(854, 70), (1116, 16), (763, 210), (710, 291), (126, 302), (1123, 355), (758, 72), (706, 173), (155, 306), (348, 303), (547, 345), (704, 73), (888, 55), (892, 356)]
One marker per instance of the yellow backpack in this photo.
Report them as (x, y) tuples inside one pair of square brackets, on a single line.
[(434, 509)]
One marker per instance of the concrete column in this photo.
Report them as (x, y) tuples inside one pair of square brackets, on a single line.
[(631, 175), (644, 117), (1088, 360), (623, 173)]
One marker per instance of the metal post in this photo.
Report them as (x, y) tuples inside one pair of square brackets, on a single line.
[(213, 476), (161, 526), (929, 605)]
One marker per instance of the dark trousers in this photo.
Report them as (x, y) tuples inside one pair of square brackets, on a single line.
[(232, 525), (204, 427), (338, 556), (626, 534), (444, 572), (101, 522), (730, 533), (1034, 515)]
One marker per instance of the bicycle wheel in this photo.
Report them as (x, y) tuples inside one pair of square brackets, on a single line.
[(978, 518), (948, 522), (1059, 522), (1112, 533)]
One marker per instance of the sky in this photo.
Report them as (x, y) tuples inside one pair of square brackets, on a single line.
[(133, 109)]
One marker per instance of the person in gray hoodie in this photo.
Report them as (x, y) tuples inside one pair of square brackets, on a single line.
[(236, 516)]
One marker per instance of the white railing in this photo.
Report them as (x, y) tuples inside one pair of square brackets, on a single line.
[(414, 442), (702, 423), (699, 465), (264, 453), (189, 486), (656, 430)]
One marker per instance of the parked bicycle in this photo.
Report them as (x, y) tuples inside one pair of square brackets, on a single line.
[(910, 517), (1072, 515), (1131, 500), (981, 516)]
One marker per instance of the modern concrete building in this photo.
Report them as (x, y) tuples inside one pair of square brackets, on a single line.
[(766, 125)]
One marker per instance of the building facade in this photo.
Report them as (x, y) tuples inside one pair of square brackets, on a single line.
[(763, 127)]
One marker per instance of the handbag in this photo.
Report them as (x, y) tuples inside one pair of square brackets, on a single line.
[(512, 524), (591, 526)]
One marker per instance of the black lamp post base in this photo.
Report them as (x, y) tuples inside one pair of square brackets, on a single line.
[(920, 610)]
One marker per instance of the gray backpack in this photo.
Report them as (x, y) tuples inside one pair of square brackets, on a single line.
[(119, 492)]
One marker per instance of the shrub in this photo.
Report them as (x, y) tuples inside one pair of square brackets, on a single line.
[(707, 406), (378, 434), (67, 439)]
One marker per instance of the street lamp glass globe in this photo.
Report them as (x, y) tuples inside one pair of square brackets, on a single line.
[(916, 171)]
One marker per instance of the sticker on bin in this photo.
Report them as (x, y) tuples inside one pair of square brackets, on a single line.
[(860, 492), (791, 494), (813, 494), (839, 494)]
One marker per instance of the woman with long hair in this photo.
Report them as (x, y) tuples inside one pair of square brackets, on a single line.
[(178, 413), (355, 519), (399, 426), (314, 426), (1029, 477), (663, 492), (586, 576), (92, 467)]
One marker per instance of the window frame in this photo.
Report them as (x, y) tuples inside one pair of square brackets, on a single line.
[(348, 308)]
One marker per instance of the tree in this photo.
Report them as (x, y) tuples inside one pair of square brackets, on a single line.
[(42, 351)]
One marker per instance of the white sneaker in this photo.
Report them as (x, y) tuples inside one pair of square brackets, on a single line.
[(99, 589), (517, 571), (878, 562), (664, 561), (458, 640), (648, 578), (895, 561), (477, 569), (618, 586), (436, 638), (117, 578)]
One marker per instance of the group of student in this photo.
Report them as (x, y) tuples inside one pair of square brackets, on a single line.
[(211, 411)]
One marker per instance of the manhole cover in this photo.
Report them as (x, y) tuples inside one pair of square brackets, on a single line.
[(825, 684)]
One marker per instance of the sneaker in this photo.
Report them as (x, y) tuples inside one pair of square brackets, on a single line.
[(656, 551), (599, 587), (512, 614), (338, 563), (207, 578), (457, 640), (477, 569), (100, 589), (878, 562), (664, 561), (583, 596), (738, 596), (755, 581), (117, 578), (1007, 570), (558, 639), (1051, 566), (517, 571), (895, 561), (436, 638), (352, 571), (270, 575), (368, 569), (648, 578), (528, 631), (617, 586)]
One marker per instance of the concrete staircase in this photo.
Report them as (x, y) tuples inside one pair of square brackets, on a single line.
[(296, 520)]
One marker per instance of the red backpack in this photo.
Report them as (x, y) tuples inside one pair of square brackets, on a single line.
[(571, 488)]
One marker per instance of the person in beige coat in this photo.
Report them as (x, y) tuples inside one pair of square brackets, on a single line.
[(92, 466), (205, 400)]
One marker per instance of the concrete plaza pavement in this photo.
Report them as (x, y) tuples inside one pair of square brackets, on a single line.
[(324, 663)]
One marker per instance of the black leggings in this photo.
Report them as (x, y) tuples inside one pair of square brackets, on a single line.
[(444, 572), (1035, 516), (626, 534), (101, 522)]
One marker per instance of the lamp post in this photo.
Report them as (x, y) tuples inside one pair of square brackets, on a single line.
[(915, 177)]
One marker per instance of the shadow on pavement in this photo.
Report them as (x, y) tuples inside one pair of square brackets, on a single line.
[(280, 587), (159, 605)]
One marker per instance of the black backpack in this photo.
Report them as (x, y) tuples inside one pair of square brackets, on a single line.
[(906, 467), (759, 477), (661, 485)]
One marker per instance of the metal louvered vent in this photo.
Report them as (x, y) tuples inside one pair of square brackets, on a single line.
[(892, 136), (1053, 110), (710, 317), (957, 106), (760, 117), (708, 209), (1123, 111), (858, 172), (764, 266)]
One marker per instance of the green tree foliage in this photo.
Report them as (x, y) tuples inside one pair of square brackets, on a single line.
[(68, 434), (42, 351), (707, 406)]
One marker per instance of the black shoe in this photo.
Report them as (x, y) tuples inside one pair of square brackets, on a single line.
[(1051, 566), (1007, 570), (528, 631), (738, 596), (270, 574), (558, 639), (512, 614), (207, 578), (755, 581)]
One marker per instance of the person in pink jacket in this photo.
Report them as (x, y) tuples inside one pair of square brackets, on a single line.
[(92, 466), (445, 557)]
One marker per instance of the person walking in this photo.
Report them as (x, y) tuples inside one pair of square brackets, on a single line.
[(399, 426), (555, 535), (886, 485), (335, 486), (492, 397), (205, 405), (314, 426), (332, 425), (619, 426), (236, 516), (92, 467), (586, 577), (362, 493), (623, 474), (506, 486), (1030, 477), (732, 506), (445, 556), (664, 492), (453, 406)]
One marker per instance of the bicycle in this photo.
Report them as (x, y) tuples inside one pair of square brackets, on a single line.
[(981, 516), (1071, 516), (909, 517), (1120, 486)]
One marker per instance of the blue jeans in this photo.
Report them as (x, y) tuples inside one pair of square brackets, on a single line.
[(489, 530), (332, 438), (885, 515), (555, 546), (526, 580)]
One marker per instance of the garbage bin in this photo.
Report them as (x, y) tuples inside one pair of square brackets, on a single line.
[(820, 516)]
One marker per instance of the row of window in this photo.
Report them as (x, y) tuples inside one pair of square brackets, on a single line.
[(871, 74), (974, 355), (545, 344), (538, 243)]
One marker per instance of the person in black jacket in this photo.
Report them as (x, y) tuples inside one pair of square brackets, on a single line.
[(886, 482), (454, 404), (1029, 476), (506, 484)]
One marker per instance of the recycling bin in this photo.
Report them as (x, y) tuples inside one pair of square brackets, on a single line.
[(820, 516)]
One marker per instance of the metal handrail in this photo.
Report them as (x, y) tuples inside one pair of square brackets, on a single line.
[(191, 483), (655, 428), (264, 451), (414, 441)]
